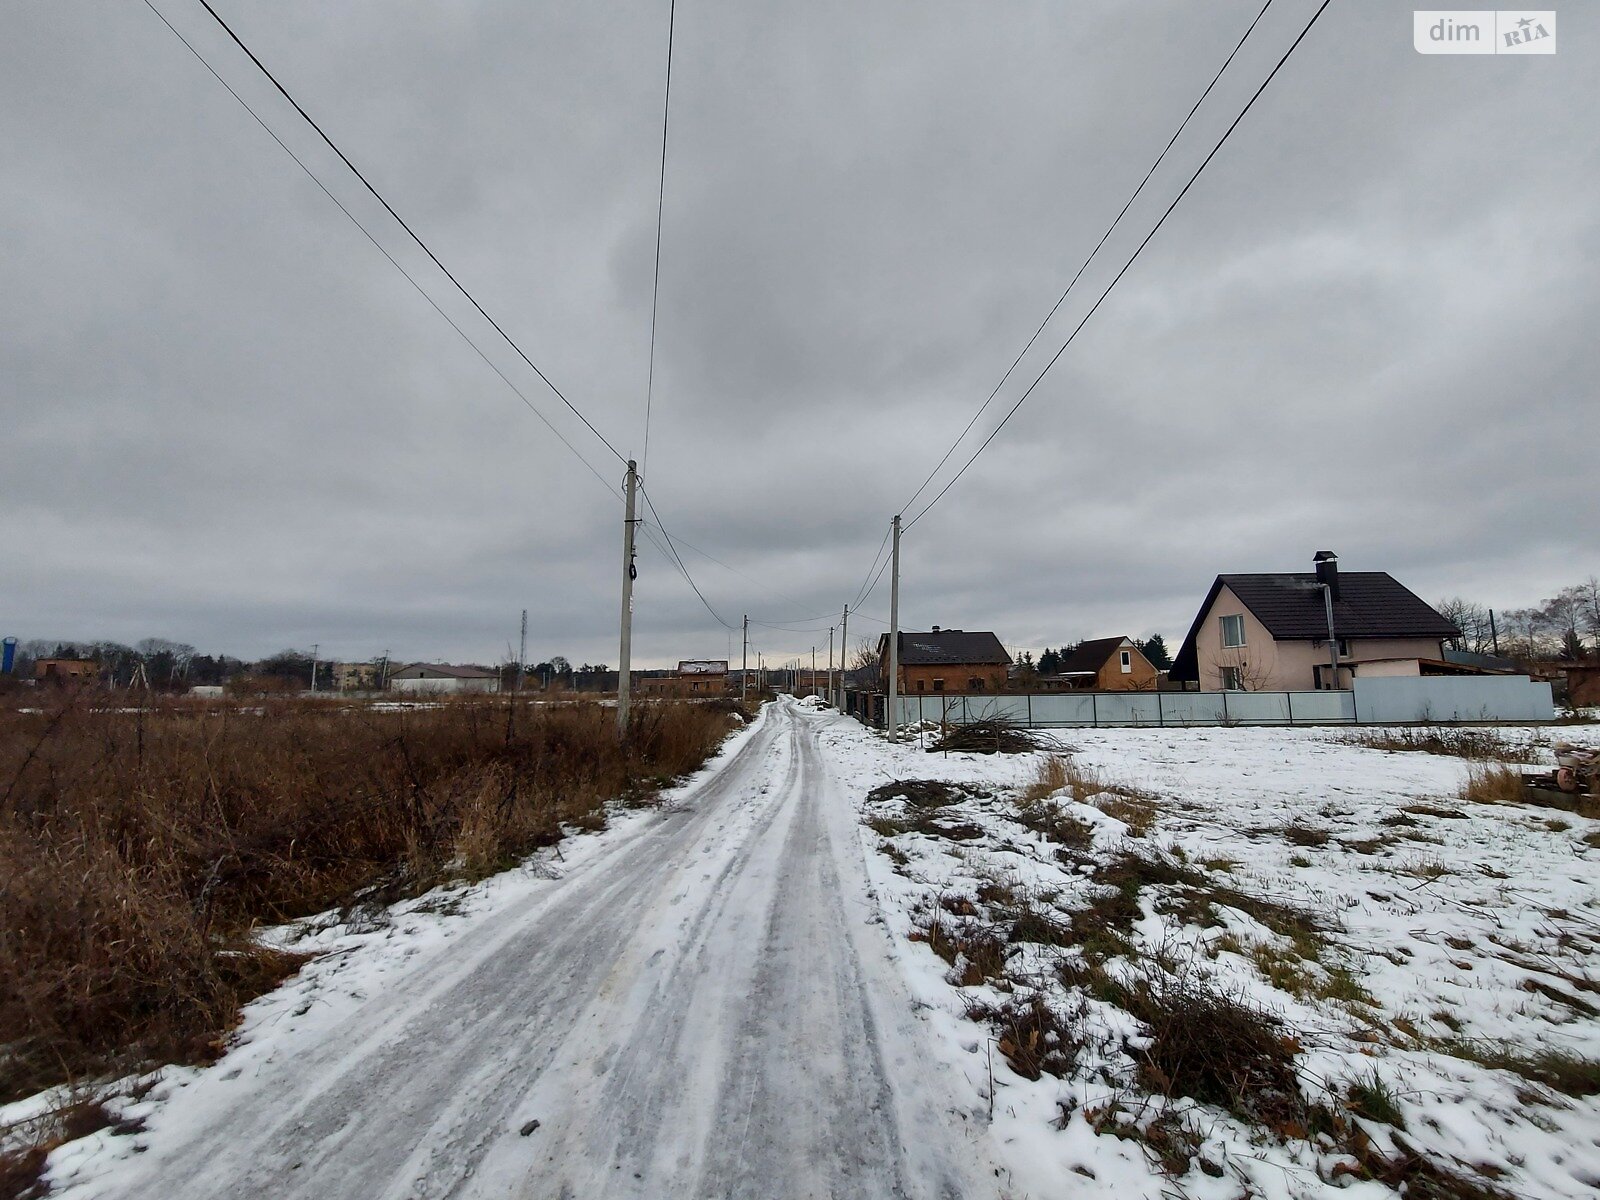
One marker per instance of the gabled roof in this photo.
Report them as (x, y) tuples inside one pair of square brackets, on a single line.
[(1371, 604), (1089, 657), (441, 671), (955, 647)]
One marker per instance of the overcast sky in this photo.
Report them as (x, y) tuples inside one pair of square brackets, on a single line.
[(1370, 327)]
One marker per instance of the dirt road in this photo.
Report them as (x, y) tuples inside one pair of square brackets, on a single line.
[(707, 1008)]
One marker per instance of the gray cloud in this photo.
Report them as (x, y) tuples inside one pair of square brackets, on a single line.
[(230, 421)]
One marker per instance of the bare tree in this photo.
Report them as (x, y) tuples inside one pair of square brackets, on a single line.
[(1564, 618), (1472, 619), (866, 664), (1250, 674)]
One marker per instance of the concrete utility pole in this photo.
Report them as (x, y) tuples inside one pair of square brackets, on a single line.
[(830, 664), (813, 668), (744, 661), (892, 717), (844, 654), (315, 646), (625, 653), (522, 650)]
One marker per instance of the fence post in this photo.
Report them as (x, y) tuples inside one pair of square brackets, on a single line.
[(1161, 716), (1224, 705), (1094, 710), (1289, 696), (1030, 710)]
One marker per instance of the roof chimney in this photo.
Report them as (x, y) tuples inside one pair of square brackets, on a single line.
[(1328, 570), (936, 629)]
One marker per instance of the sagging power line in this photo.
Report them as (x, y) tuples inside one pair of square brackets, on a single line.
[(365, 182)]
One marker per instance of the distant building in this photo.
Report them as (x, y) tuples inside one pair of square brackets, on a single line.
[(443, 679), (65, 670), (947, 660), (1111, 664), (694, 677), (357, 677)]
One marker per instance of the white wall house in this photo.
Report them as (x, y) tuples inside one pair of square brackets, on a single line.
[(439, 679)]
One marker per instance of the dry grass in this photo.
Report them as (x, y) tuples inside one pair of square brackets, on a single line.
[(140, 846), (1493, 783), (1132, 806), (1480, 745)]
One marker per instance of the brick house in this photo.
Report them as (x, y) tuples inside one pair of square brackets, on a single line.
[(947, 660), (694, 677)]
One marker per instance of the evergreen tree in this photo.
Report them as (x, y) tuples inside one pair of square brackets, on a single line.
[(1155, 649)]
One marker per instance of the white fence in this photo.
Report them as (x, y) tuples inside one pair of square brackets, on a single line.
[(1381, 701)]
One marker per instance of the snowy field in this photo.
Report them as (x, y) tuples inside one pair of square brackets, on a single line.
[(1428, 968)]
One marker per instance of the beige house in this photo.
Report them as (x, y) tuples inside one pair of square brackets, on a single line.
[(1271, 632)]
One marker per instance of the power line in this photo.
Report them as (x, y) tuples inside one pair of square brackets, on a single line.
[(678, 559), (1104, 237), (863, 589), (390, 209), (1095, 308), (661, 203), (354, 220)]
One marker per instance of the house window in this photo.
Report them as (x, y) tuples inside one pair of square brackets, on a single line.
[(921, 685), (1232, 679), (974, 684), (1344, 647), (1233, 631), (938, 685), (1127, 662)]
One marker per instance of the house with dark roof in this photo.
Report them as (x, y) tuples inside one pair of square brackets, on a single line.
[(1271, 632), (1111, 664), (947, 660)]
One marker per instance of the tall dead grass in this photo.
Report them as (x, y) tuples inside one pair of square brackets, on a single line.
[(139, 846)]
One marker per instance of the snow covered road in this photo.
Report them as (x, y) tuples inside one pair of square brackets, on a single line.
[(705, 1006)]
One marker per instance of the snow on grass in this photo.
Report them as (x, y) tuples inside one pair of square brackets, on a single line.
[(1428, 967)]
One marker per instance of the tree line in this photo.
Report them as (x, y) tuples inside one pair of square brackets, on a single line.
[(1563, 626), (162, 665)]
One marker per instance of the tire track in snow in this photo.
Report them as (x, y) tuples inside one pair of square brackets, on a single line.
[(697, 1011)]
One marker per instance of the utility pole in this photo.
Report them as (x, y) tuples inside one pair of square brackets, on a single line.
[(315, 646), (744, 662), (625, 653), (844, 654), (522, 650), (830, 664), (813, 668), (892, 717)]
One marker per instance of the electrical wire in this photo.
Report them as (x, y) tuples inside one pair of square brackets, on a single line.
[(354, 220), (1104, 237), (678, 559), (661, 203), (1153, 231), (228, 29)]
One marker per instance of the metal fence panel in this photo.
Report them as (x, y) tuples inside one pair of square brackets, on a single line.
[(1406, 699), (1377, 701)]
